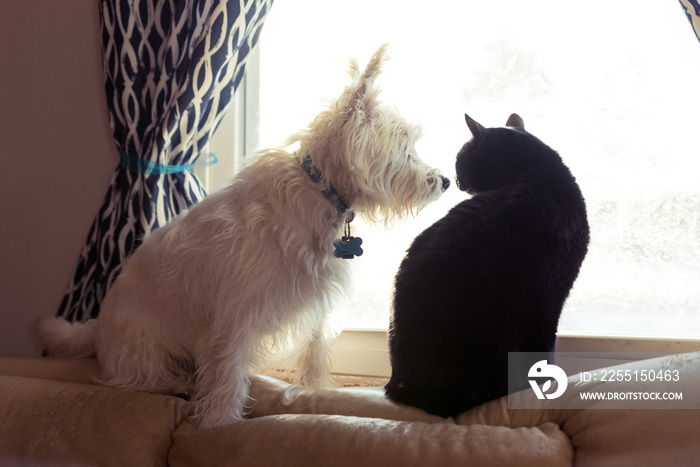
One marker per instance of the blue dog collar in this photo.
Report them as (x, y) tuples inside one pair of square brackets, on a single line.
[(348, 246), (329, 193)]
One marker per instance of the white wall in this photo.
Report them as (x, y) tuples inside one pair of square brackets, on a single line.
[(56, 155)]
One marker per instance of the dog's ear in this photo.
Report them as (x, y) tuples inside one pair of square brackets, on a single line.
[(514, 121), (354, 70), (474, 126), (365, 92)]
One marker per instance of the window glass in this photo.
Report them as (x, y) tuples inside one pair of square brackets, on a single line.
[(612, 86)]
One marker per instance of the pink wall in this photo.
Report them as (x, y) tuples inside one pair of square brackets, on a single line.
[(56, 155)]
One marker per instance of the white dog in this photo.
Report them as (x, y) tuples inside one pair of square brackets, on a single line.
[(200, 302)]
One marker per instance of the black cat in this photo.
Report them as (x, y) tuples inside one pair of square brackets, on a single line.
[(490, 277)]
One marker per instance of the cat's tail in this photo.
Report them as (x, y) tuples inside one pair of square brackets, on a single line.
[(60, 338)]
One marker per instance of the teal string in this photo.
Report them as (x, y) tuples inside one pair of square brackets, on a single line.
[(146, 167)]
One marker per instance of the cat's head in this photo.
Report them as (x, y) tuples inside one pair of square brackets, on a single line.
[(496, 157)]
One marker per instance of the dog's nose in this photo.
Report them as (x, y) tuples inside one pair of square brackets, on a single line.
[(445, 182)]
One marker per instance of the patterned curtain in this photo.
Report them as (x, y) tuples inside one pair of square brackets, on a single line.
[(692, 11), (171, 68)]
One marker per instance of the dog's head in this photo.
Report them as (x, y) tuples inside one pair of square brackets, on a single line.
[(367, 150)]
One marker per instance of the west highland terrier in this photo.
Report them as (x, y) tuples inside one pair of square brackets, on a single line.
[(204, 299)]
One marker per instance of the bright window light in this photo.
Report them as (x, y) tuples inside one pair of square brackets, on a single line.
[(612, 86)]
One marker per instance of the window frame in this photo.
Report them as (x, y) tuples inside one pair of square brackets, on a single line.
[(364, 352), (236, 138)]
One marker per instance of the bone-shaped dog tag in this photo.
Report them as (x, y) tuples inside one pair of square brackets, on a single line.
[(348, 247)]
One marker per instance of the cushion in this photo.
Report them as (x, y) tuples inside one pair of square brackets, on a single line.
[(616, 437), (273, 397), (292, 425), (51, 413), (309, 440), (62, 423)]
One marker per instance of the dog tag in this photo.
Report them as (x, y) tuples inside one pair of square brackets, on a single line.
[(348, 247)]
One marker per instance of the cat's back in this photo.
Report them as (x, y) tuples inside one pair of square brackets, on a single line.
[(522, 243)]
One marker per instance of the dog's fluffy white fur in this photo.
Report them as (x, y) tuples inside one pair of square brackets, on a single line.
[(201, 300)]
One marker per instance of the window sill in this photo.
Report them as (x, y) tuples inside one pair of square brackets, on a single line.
[(365, 352)]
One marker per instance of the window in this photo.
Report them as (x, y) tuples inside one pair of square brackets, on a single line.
[(608, 85)]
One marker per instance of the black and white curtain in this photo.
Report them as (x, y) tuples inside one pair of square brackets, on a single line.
[(692, 11), (171, 68)]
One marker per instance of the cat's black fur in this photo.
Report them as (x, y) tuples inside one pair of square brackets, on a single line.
[(490, 277)]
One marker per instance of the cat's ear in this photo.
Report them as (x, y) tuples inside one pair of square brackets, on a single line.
[(514, 121), (476, 129)]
